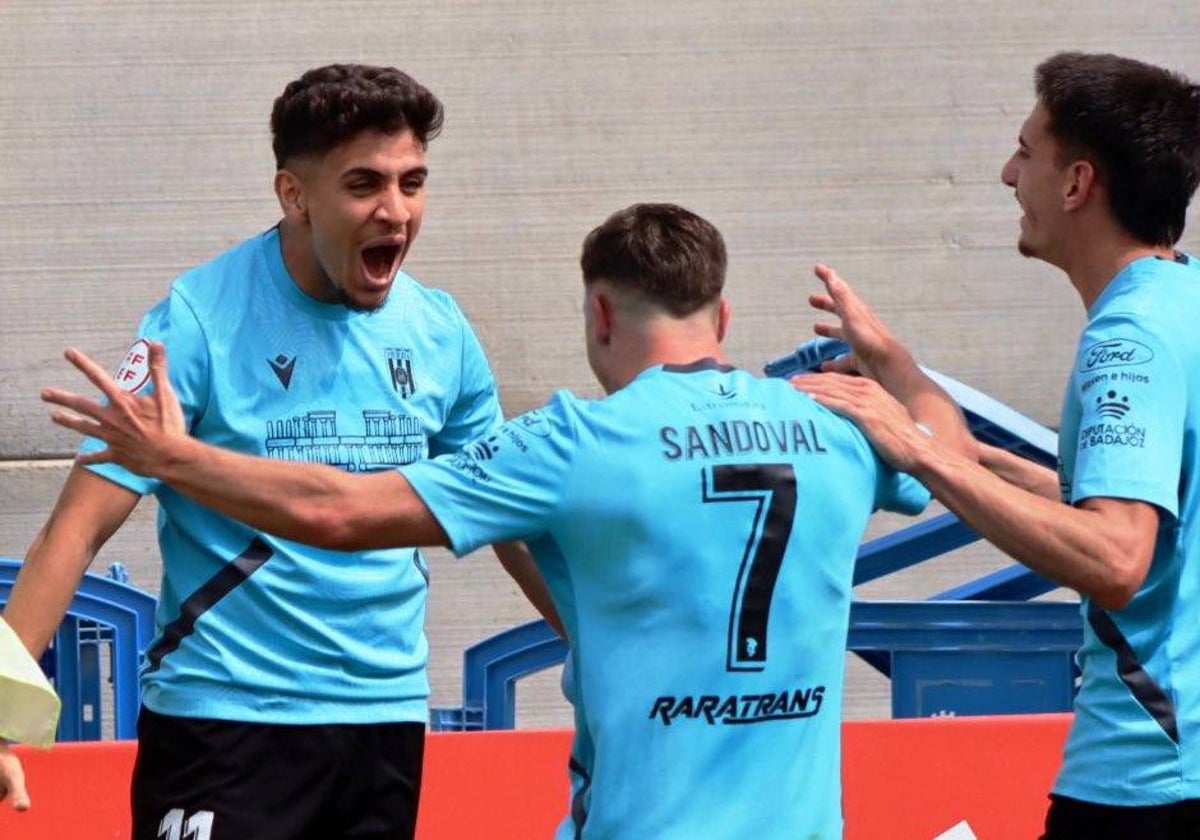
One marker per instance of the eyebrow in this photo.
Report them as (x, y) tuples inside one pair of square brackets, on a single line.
[(368, 172)]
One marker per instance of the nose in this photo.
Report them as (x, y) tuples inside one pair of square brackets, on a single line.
[(1008, 174), (392, 207)]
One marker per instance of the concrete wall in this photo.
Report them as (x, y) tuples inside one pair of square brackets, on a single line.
[(134, 143)]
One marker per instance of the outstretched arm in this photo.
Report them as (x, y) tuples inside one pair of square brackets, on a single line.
[(877, 354), (88, 511), (1101, 547), (310, 503)]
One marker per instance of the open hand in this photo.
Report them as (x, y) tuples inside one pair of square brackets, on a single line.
[(886, 423), (871, 342), (139, 429)]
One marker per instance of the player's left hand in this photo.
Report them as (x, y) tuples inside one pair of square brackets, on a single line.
[(138, 429), (886, 423)]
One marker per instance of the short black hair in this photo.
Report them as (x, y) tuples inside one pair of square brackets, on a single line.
[(1139, 125), (329, 105), (671, 256)]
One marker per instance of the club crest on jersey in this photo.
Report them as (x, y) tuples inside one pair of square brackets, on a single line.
[(399, 360), (134, 371)]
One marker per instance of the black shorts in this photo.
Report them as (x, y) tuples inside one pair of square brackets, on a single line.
[(201, 779), (1072, 819)]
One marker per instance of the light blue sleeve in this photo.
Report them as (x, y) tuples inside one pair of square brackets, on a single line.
[(1130, 443), (506, 485), (173, 323), (477, 409), (899, 492), (894, 491)]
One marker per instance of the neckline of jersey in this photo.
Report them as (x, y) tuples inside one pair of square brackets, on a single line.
[(1127, 274), (707, 363), (272, 249)]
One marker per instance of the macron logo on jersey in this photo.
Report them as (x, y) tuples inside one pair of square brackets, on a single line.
[(134, 371), (283, 367)]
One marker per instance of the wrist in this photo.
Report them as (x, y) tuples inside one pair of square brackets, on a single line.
[(894, 367), (920, 448), (173, 457)]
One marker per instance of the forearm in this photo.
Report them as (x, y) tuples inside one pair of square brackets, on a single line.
[(88, 511), (926, 401), (1020, 471), (314, 504), (44, 588), (519, 564), (272, 496), (1073, 546), (1102, 547)]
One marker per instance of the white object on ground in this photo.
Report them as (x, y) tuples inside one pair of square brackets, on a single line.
[(962, 831)]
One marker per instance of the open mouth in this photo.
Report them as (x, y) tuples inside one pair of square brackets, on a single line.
[(378, 261)]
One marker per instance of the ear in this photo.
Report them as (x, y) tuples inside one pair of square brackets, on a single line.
[(602, 317), (293, 200), (1079, 185), (723, 313)]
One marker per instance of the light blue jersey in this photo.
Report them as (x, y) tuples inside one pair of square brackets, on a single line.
[(697, 530), (258, 629), (1130, 426)]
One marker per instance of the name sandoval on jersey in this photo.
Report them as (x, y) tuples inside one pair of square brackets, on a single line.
[(737, 437), (740, 708)]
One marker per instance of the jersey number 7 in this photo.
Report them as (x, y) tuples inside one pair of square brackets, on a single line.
[(772, 487)]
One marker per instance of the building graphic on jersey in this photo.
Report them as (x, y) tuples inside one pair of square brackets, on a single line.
[(389, 440)]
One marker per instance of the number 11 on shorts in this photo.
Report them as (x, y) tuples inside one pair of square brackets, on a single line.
[(177, 825)]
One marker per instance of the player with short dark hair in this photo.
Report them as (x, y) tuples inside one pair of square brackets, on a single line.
[(329, 105), (675, 259), (285, 693), (697, 529), (1105, 167), (1137, 125)]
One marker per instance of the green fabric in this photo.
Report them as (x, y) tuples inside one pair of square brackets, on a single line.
[(28, 705)]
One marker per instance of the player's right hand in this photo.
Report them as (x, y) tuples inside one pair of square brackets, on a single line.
[(880, 416), (138, 427), (12, 779)]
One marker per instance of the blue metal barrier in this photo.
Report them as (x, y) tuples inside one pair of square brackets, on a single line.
[(105, 613), (943, 657), (972, 657), (491, 669)]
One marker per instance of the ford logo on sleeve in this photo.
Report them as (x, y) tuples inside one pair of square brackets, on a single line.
[(1114, 352)]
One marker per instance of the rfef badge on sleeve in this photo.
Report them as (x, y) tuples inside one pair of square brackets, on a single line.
[(134, 371)]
